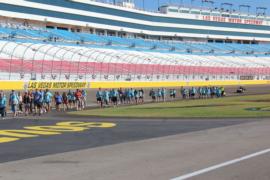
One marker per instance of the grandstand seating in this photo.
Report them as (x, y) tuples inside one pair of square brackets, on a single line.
[(86, 38), (54, 51)]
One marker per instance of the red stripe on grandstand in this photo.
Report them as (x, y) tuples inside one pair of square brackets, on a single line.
[(49, 66)]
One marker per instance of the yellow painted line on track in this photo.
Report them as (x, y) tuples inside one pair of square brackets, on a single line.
[(12, 135), (57, 128), (86, 124), (5, 132), (8, 139)]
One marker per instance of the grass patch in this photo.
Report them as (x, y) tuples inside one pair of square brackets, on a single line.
[(230, 107)]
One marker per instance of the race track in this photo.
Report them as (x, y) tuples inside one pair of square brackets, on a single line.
[(64, 147), (125, 130)]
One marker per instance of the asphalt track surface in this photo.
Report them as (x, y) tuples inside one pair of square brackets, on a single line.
[(140, 150), (124, 131)]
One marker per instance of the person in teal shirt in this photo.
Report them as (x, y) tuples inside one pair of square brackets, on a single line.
[(209, 92), (219, 91), (114, 97), (3, 104), (84, 99), (132, 95), (69, 97), (174, 93), (129, 95), (158, 95), (13, 101), (106, 96), (48, 100), (163, 94), (99, 97)]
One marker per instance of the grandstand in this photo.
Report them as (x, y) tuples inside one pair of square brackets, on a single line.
[(31, 49)]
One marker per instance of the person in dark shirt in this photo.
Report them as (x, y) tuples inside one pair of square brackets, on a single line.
[(26, 103)]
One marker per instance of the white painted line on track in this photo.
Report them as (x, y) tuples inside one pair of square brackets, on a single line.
[(203, 171)]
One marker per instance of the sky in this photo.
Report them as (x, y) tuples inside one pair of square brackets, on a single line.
[(153, 4)]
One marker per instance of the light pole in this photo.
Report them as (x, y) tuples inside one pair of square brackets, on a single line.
[(258, 9), (209, 2), (226, 4), (191, 2), (244, 6)]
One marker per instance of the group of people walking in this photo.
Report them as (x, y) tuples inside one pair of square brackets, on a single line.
[(202, 92), (161, 94), (39, 102), (115, 97)]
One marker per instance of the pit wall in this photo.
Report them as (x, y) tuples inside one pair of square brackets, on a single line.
[(20, 85)]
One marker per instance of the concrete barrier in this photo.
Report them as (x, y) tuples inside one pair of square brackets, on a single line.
[(58, 85)]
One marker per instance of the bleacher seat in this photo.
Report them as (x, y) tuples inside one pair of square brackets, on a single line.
[(65, 36)]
